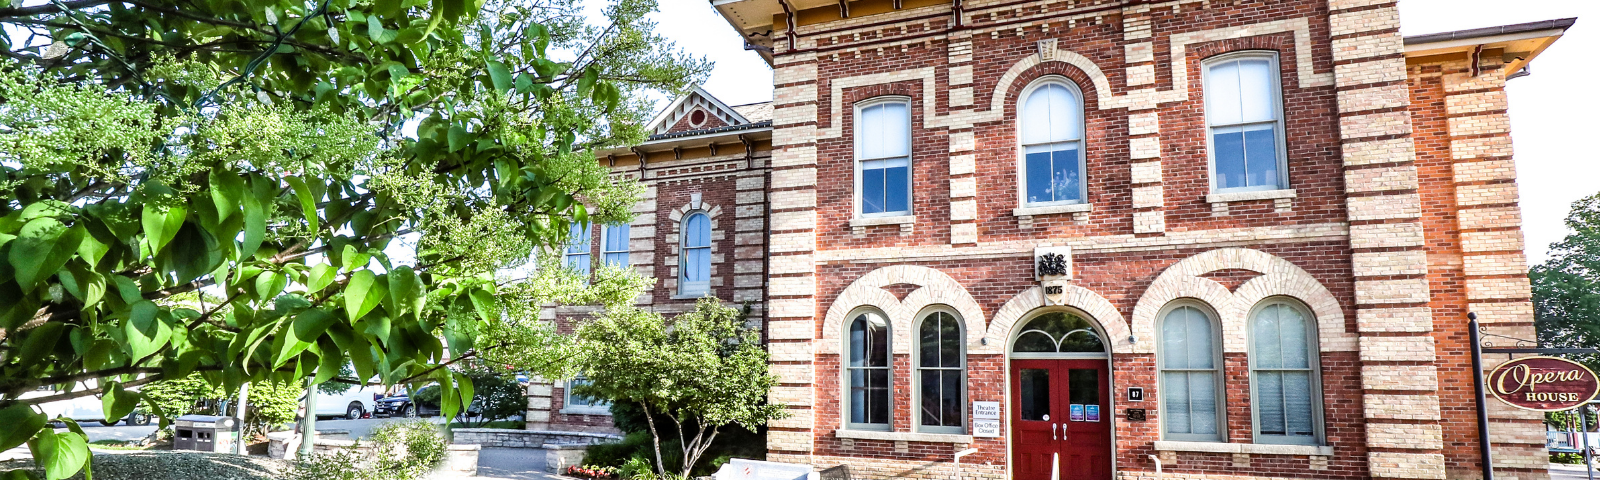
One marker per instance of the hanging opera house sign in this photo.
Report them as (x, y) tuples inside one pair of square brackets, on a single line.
[(1546, 384)]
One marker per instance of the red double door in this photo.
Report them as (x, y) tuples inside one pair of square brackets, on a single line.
[(1060, 419)]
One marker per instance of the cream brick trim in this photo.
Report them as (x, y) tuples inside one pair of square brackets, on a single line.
[(937, 288), (1401, 435), (1107, 243), (1422, 466), (1279, 277), (1032, 298)]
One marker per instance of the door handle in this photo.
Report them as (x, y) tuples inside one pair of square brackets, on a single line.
[(1053, 431)]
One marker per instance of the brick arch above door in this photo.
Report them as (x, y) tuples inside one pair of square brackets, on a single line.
[(933, 288), (1025, 302), (1279, 277)]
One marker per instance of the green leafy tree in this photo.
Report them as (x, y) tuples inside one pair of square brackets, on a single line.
[(350, 179), (1566, 287), (703, 369), (267, 404)]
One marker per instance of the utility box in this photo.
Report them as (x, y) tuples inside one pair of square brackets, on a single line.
[(205, 433)]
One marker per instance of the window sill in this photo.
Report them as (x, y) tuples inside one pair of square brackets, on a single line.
[(1247, 196), (586, 411), (1249, 448), (902, 436), (1053, 209), (858, 225), (871, 221), (690, 297)]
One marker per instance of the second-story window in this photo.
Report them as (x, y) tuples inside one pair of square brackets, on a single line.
[(578, 248), (614, 245), (695, 270), (883, 158), (1052, 143), (1244, 116)]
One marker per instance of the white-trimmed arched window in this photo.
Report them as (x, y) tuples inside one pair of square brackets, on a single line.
[(1051, 127), (1191, 391), (867, 372), (694, 272), (941, 374), (883, 157), (1244, 116), (1286, 389)]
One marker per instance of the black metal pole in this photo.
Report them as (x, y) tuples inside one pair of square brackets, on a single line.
[(1477, 387)]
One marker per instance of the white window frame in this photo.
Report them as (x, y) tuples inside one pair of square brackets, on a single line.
[(845, 369), (1022, 149), (568, 408), (917, 368), (697, 289), (910, 165), (1277, 104), (1219, 382), (605, 240), (1314, 359), (588, 251)]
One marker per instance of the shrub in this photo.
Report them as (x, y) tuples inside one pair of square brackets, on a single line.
[(400, 451), (269, 404)]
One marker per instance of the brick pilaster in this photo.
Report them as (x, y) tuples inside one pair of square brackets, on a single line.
[(1399, 380), (791, 279), (1144, 127)]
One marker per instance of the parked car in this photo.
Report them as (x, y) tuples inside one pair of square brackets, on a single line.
[(357, 402), (400, 404), (84, 409)]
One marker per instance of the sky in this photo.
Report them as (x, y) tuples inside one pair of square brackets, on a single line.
[(1552, 170)]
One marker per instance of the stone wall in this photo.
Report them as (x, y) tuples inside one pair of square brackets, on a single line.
[(499, 437)]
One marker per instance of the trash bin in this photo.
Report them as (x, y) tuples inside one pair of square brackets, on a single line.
[(205, 433)]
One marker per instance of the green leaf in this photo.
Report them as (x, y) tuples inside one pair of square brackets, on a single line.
[(374, 28), (363, 293), (587, 81), (145, 332), (118, 402), (62, 454), (464, 389), (308, 201), (309, 325), (255, 226), (21, 422), (161, 224), (458, 138), (540, 35), (41, 248), (227, 188), (483, 302), (319, 277), (39, 343), (194, 253), (405, 291), (523, 83), (270, 284), (329, 362), (499, 76), (18, 474)]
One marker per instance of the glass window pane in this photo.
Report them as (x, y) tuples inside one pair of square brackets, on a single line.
[(1268, 351), (1203, 402), (1175, 340), (698, 231), (1064, 174), (1269, 402), (928, 342), (1227, 149), (1034, 342), (870, 127), (1064, 111), (578, 238), (1296, 337), (930, 397), (1222, 94), (950, 398), (879, 397), (1035, 386), (896, 130), (1261, 155), (1200, 348), (1038, 174), (617, 259), (896, 189), (1255, 90), (872, 190), (617, 238), (1083, 386), (858, 395), (1297, 402), (949, 341), (579, 263), (859, 339), (1175, 404), (1036, 118)]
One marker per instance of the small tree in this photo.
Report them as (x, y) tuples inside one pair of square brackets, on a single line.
[(703, 369)]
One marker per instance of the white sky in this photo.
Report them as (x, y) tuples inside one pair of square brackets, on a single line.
[(1552, 171)]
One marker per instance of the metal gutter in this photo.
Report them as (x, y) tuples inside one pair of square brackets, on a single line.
[(1560, 24)]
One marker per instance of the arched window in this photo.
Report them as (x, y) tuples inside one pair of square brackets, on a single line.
[(941, 371), (1052, 143), (867, 372), (578, 248), (1286, 388), (1058, 332), (883, 158), (1191, 377), (695, 269), (1244, 114)]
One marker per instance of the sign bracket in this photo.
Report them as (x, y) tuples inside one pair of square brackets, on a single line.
[(1482, 345)]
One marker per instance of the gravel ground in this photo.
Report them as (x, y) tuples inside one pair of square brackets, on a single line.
[(176, 466)]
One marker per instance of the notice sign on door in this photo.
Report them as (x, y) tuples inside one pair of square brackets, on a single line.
[(985, 419), (1091, 413), (1076, 412)]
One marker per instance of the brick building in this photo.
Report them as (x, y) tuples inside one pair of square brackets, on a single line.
[(1235, 238)]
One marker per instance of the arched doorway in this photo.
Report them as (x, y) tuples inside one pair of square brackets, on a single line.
[(1060, 376)]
